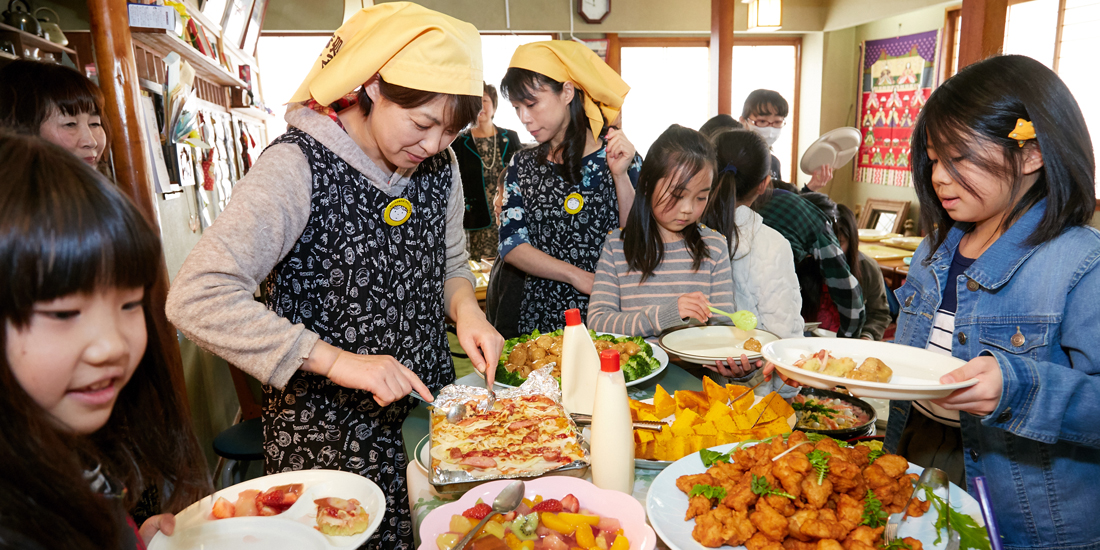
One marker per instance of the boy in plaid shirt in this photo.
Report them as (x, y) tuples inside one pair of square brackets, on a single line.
[(808, 230)]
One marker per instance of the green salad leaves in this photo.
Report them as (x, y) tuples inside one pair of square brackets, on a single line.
[(971, 535), (760, 486), (639, 366)]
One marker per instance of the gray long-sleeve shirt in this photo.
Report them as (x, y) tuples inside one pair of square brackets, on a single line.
[(212, 298)]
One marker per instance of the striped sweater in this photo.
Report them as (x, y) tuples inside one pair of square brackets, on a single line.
[(621, 305)]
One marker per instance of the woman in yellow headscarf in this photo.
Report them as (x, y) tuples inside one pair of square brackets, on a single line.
[(352, 221), (564, 196)]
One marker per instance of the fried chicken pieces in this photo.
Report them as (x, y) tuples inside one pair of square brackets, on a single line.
[(825, 515)]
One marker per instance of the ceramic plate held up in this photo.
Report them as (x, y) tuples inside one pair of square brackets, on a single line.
[(293, 529), (704, 345), (916, 372), (835, 148)]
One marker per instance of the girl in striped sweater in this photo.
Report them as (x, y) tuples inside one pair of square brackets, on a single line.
[(664, 269)]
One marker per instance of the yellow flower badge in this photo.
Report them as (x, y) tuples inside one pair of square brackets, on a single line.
[(398, 212), (1023, 131), (574, 203)]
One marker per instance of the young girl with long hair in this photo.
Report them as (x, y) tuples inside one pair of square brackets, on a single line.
[(664, 269), (562, 197), (90, 414), (868, 274), (1008, 280)]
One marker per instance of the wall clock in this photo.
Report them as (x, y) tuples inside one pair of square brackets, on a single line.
[(593, 11)]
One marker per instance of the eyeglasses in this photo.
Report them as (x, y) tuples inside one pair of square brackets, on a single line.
[(761, 123)]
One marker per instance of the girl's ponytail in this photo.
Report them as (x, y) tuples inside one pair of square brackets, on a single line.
[(743, 161)]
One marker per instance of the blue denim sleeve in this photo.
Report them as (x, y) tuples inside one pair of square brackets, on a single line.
[(513, 220), (1047, 401)]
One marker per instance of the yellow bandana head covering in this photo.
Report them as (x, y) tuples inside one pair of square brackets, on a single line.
[(561, 60), (407, 44)]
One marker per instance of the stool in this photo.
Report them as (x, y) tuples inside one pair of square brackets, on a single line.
[(239, 444)]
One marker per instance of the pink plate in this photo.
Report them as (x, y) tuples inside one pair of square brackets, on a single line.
[(620, 506)]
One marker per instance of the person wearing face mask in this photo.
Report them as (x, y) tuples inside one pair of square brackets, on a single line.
[(765, 112), (352, 221), (56, 103)]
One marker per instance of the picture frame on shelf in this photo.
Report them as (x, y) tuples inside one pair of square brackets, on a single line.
[(237, 15), (214, 10), (202, 42), (883, 214), (255, 24)]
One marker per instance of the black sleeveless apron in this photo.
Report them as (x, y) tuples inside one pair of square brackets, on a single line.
[(371, 288)]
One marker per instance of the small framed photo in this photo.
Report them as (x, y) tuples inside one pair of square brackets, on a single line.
[(214, 47), (237, 15)]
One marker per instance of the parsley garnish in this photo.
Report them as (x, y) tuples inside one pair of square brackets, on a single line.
[(810, 410), (873, 514), (820, 462), (708, 491), (709, 457), (971, 535), (873, 455), (761, 487), (818, 437)]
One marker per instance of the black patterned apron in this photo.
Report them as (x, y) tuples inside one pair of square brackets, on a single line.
[(371, 288), (573, 238)]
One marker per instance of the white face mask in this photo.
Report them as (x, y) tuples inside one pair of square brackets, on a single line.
[(770, 135)]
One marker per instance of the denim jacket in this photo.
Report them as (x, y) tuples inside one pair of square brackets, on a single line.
[(1036, 310)]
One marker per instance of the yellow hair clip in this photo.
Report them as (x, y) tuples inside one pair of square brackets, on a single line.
[(1023, 131)]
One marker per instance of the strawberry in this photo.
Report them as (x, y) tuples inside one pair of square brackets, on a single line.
[(548, 505), (570, 504), (479, 511)]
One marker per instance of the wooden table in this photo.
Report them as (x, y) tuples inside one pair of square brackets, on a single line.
[(891, 261)]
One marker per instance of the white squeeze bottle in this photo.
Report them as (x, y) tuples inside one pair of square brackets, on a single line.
[(612, 446), (579, 365)]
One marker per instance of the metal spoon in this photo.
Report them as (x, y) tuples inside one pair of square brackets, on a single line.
[(508, 500), (455, 414)]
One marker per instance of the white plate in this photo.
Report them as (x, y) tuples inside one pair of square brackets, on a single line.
[(423, 453), (704, 345), (871, 234), (835, 148), (666, 506), (293, 529), (916, 371), (621, 506), (658, 354)]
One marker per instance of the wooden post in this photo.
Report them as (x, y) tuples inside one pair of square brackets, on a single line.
[(614, 53), (983, 30), (721, 56), (114, 57)]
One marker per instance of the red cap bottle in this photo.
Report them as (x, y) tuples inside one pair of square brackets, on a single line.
[(609, 360), (572, 317)]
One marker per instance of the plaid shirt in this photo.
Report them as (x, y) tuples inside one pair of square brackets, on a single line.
[(810, 233)]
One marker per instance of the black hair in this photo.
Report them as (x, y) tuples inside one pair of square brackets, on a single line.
[(764, 102), (718, 124), (30, 91), (678, 154), (811, 280), (64, 229), (847, 229), (977, 109), (491, 91), (460, 111), (743, 161), (522, 85)]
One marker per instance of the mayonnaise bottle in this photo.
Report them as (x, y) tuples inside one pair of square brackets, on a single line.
[(579, 365), (612, 446)]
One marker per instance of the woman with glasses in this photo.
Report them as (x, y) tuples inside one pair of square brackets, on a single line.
[(765, 112)]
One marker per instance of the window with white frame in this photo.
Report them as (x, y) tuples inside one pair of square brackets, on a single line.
[(771, 67), (667, 86)]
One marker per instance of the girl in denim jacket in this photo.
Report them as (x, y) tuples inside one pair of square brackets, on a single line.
[(1009, 280)]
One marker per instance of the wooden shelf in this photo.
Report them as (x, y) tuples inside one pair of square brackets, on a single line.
[(6, 55), (35, 41), (205, 66), (255, 113)]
